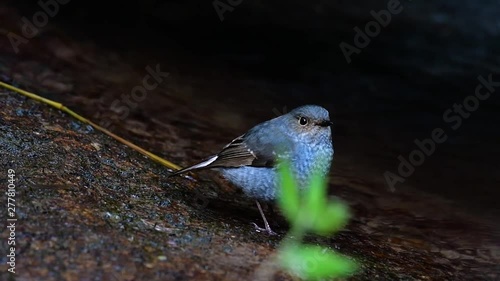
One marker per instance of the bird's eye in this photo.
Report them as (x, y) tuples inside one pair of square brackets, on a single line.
[(303, 121)]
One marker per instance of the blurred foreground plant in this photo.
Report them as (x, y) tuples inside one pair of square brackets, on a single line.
[(310, 212)]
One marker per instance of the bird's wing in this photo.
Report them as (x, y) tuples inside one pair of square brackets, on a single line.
[(241, 151)]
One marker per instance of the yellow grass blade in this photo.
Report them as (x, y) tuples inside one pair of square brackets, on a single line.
[(63, 108)]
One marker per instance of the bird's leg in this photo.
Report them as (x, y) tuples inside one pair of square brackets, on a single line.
[(266, 228)]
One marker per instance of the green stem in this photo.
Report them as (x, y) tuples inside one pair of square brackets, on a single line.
[(295, 235)]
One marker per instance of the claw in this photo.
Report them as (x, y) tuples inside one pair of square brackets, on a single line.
[(265, 229)]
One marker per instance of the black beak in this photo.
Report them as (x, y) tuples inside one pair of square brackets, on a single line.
[(325, 123)]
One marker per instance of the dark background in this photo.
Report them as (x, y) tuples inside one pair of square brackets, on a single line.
[(267, 58)]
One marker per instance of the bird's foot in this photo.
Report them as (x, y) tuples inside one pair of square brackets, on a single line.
[(265, 229)]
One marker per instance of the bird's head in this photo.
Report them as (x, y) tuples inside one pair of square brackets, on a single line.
[(310, 122)]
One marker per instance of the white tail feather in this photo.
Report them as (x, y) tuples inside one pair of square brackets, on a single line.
[(197, 166)]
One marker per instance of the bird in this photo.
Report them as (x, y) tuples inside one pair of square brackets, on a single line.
[(303, 137)]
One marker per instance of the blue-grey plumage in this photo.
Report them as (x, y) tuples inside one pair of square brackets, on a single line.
[(302, 137), (307, 147)]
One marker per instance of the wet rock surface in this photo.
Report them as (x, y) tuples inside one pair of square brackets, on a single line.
[(90, 208)]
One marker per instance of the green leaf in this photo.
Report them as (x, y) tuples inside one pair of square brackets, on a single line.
[(315, 202), (313, 262), (289, 196), (334, 218)]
